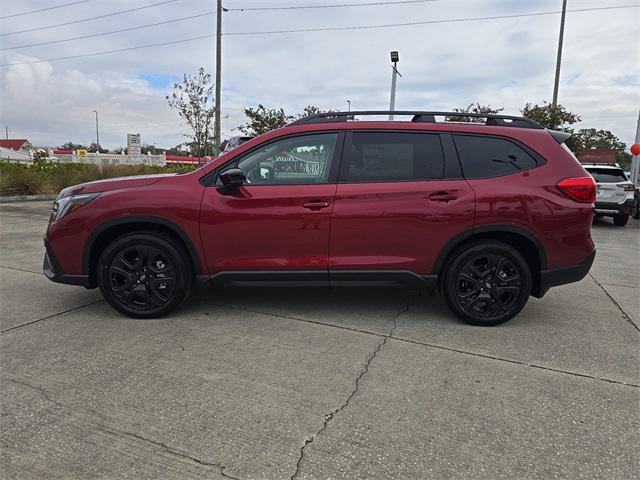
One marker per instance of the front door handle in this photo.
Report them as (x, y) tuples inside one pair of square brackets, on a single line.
[(315, 204), (442, 197)]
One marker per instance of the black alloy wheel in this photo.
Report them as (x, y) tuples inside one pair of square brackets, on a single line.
[(487, 283), (144, 275)]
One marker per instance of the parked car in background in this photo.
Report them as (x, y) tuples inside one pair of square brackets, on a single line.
[(235, 142), (615, 193), (488, 213)]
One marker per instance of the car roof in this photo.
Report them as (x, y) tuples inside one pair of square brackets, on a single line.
[(604, 167)]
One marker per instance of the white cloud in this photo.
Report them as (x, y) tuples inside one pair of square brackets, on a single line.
[(502, 62)]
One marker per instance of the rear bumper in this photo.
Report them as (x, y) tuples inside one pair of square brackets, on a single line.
[(51, 269), (564, 275), (624, 208)]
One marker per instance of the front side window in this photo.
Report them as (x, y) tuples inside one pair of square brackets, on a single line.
[(296, 160), (392, 156), (486, 157)]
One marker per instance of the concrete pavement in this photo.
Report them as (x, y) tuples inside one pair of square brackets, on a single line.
[(315, 383)]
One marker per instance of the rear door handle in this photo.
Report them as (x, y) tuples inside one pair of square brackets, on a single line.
[(315, 204), (442, 197)]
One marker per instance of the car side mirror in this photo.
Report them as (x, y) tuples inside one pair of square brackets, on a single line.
[(232, 180)]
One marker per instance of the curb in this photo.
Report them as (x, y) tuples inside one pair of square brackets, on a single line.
[(27, 198)]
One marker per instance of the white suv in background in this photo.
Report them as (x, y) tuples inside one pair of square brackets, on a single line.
[(614, 196)]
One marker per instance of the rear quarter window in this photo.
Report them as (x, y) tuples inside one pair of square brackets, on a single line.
[(486, 157)]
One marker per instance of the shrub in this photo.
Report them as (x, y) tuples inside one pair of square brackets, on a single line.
[(50, 177), (21, 180)]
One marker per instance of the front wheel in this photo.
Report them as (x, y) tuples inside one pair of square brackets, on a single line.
[(487, 283), (620, 220), (144, 275)]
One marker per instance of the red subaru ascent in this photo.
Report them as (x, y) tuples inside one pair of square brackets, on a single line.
[(489, 211)]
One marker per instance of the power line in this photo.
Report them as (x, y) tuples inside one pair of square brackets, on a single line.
[(428, 22), (202, 15), (109, 33), (339, 5), (455, 20), (73, 22), (95, 54), (44, 9)]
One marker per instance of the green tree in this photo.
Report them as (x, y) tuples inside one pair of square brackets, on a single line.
[(194, 99), (93, 148), (72, 146), (262, 119), (588, 138), (473, 108), (312, 110), (553, 118)]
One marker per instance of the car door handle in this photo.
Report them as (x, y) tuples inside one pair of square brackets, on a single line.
[(315, 204), (442, 197)]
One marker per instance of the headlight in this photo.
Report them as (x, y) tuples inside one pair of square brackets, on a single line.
[(65, 205)]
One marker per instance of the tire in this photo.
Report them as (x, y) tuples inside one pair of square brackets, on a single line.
[(486, 282), (144, 275), (620, 220)]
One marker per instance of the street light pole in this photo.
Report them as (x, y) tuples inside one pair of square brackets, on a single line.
[(395, 58), (349, 105), (216, 134), (559, 59), (97, 133)]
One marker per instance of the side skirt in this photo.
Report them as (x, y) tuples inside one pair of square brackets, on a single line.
[(324, 278)]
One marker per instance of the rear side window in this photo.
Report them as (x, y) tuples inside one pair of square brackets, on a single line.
[(392, 156), (607, 175), (485, 157)]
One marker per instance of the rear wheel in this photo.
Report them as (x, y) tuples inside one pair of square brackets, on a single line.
[(144, 275), (620, 220), (487, 283)]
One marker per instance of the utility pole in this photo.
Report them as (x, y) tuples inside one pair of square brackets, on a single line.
[(559, 59), (395, 58), (97, 133), (349, 105), (216, 134), (6, 131)]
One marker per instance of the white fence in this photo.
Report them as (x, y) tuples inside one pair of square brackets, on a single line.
[(108, 159)]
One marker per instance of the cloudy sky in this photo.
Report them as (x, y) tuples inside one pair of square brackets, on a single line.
[(503, 62)]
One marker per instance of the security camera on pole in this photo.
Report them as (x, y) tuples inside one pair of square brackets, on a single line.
[(395, 58)]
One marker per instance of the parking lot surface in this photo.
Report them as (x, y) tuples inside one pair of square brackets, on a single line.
[(317, 383)]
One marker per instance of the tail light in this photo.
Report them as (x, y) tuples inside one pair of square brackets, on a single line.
[(629, 187), (581, 189)]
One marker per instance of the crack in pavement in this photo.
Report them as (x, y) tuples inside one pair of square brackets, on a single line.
[(21, 270), (430, 345), (331, 415), (49, 316), (168, 449), (123, 433), (625, 315)]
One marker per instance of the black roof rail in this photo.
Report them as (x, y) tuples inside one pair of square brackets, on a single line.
[(495, 119)]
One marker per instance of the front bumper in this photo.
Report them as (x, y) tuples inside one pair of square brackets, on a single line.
[(51, 269), (624, 208), (564, 275)]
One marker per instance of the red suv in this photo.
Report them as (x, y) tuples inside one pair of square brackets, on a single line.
[(489, 213)]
